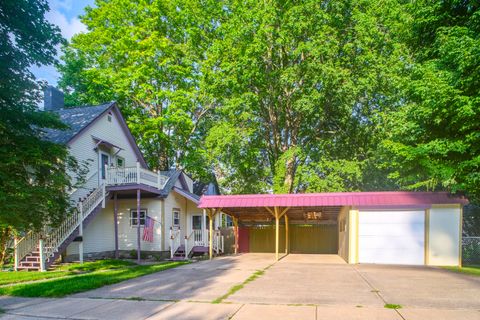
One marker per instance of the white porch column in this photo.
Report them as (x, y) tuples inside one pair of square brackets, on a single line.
[(17, 262), (80, 233), (42, 255)]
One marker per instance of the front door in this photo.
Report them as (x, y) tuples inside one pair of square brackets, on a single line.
[(104, 160), (197, 229)]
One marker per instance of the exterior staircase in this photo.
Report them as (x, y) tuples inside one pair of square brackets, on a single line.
[(179, 254), (193, 244), (38, 251), (195, 251)]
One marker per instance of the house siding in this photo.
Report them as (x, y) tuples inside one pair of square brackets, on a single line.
[(99, 235), (174, 200), (82, 147)]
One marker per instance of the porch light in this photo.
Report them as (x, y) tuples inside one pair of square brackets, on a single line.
[(313, 215)]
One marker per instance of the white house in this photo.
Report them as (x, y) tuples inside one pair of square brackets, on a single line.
[(119, 187)]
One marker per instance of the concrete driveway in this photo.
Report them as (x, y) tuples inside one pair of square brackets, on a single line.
[(296, 287)]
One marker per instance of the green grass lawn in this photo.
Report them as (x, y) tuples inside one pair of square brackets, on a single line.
[(9, 277), (472, 270), (78, 278)]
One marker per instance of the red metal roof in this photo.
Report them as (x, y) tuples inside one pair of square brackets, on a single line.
[(363, 199)]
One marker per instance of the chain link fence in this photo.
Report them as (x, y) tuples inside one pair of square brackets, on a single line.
[(471, 250)]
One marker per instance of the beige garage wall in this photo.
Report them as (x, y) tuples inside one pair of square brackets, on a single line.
[(353, 236), (444, 236)]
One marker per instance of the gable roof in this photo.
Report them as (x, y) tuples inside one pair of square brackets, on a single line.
[(76, 119), (190, 196), (79, 119), (174, 176)]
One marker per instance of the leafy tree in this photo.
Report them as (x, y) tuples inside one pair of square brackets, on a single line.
[(253, 91), (434, 140), (33, 178), (146, 56), (299, 85)]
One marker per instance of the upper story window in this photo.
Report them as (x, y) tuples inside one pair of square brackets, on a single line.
[(109, 116), (120, 162)]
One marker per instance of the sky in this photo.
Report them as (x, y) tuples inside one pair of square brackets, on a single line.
[(64, 14)]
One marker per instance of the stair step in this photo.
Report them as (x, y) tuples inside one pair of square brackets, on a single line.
[(177, 258), (31, 258), (32, 266), (28, 268)]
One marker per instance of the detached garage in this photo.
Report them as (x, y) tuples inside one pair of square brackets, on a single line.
[(411, 228), (392, 237)]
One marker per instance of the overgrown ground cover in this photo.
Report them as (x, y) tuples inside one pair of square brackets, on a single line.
[(77, 278)]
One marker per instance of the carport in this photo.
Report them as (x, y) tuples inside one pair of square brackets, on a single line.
[(369, 227)]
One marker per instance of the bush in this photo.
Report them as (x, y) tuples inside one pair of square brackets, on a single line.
[(133, 254)]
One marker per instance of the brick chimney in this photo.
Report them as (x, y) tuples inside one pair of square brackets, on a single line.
[(53, 99)]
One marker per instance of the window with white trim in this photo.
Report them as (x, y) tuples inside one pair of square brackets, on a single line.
[(134, 215), (120, 162), (176, 218)]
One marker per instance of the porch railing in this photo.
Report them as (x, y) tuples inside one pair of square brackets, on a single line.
[(134, 175), (198, 237), (217, 241)]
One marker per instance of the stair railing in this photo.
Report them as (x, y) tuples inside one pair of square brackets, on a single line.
[(25, 245), (53, 239), (189, 243), (174, 241)]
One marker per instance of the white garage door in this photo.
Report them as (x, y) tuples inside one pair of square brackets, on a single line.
[(391, 237)]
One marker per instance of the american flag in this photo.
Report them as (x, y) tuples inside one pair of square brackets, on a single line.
[(148, 229)]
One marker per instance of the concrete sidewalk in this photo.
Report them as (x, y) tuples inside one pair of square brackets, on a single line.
[(116, 309), (296, 287)]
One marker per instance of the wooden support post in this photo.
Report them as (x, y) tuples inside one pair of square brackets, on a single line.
[(115, 222), (277, 231), (287, 244), (277, 214), (235, 232), (210, 234), (138, 226)]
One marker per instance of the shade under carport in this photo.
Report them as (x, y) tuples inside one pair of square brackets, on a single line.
[(296, 206)]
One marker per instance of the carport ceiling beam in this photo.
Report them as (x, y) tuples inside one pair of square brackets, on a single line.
[(275, 212)]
